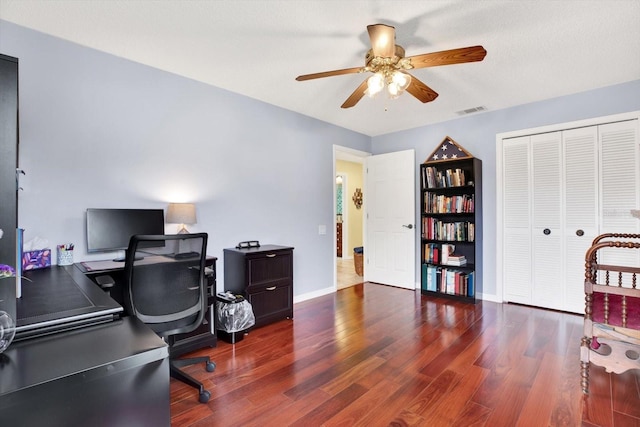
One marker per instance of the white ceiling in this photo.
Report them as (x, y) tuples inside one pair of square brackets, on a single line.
[(535, 49)]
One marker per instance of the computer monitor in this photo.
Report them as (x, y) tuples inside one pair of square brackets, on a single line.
[(110, 230)]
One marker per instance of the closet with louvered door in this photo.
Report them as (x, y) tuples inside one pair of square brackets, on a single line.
[(560, 189), (620, 184)]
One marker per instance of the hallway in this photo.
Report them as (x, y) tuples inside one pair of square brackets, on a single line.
[(346, 273)]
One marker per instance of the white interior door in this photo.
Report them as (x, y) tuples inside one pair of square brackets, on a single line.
[(389, 249)]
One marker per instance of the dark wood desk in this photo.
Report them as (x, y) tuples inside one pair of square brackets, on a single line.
[(78, 363), (114, 374)]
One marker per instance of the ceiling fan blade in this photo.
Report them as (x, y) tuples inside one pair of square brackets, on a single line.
[(329, 74), (448, 57), (355, 96), (383, 40), (421, 91)]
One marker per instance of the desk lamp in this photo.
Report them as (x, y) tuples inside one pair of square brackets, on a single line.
[(181, 213)]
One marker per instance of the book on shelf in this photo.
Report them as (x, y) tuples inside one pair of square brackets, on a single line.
[(434, 178), (440, 203), (461, 231), (432, 253), (431, 274), (447, 251), (448, 281)]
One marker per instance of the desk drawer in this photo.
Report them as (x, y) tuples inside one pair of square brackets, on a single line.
[(272, 302), (274, 265)]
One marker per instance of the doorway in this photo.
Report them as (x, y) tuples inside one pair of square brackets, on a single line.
[(348, 218)]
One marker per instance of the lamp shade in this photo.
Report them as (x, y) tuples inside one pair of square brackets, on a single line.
[(181, 213)]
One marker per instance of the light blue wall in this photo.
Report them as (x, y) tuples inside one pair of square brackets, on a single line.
[(477, 133), (101, 131)]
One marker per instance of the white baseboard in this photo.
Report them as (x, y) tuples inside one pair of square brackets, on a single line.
[(314, 294), (489, 297), (329, 290)]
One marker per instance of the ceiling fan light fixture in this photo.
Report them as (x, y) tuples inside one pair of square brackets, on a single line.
[(402, 80), (397, 83), (388, 62), (394, 90), (375, 84)]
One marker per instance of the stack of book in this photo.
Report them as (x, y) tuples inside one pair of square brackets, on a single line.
[(457, 260)]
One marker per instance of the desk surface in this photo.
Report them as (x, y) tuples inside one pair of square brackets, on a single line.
[(105, 266), (31, 362), (112, 374), (57, 296)]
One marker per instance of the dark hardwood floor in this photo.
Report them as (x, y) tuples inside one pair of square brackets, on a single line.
[(374, 355)]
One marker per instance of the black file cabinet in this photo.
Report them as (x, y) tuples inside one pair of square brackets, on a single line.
[(264, 276)]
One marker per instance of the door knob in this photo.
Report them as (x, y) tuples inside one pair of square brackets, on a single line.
[(546, 231), (579, 233), (410, 226)]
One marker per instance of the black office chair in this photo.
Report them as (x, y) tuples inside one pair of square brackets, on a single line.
[(165, 288)]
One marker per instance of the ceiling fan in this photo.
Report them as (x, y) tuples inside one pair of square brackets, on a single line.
[(387, 61)]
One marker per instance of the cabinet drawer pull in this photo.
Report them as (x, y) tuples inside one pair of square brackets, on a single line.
[(271, 255), (272, 288)]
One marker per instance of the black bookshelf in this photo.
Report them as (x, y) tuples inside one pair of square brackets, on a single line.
[(451, 228)]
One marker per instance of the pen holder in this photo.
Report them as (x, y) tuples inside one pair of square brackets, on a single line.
[(65, 256)]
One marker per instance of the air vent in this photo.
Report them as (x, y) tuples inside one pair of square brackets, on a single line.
[(472, 110)]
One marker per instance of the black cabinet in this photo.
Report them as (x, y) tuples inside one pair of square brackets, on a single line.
[(264, 276), (8, 165)]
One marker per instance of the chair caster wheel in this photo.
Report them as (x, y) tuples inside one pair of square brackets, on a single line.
[(211, 366), (204, 396)]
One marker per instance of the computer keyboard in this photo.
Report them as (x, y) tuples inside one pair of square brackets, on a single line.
[(184, 255)]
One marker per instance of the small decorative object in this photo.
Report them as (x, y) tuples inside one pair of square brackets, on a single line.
[(65, 254), (448, 149), (7, 330), (7, 271), (7, 324), (357, 198)]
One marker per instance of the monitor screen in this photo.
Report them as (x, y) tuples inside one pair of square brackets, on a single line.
[(111, 229)]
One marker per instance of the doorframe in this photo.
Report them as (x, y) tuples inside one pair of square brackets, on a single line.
[(350, 155), (345, 214)]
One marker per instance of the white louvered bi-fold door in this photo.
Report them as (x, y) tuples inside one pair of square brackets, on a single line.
[(619, 186), (546, 218), (580, 149), (560, 190), (516, 221)]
